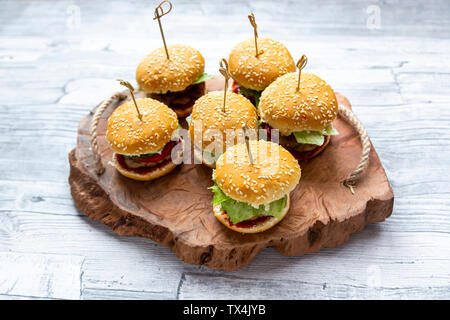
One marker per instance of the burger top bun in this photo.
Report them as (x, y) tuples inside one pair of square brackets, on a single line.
[(257, 73), (208, 113), (313, 107), (273, 174), (128, 135), (157, 74)]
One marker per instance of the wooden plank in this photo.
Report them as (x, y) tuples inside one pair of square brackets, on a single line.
[(143, 274), (331, 17), (198, 286), (61, 233), (45, 197), (136, 265), (125, 263), (40, 57), (17, 297), (117, 294), (433, 84), (408, 141), (41, 275), (90, 91)]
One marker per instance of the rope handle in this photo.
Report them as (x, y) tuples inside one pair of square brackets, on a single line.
[(99, 169), (350, 117), (345, 112)]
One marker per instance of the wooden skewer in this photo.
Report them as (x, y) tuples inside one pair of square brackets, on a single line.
[(244, 128), (251, 17), (131, 88), (159, 12), (301, 63), (225, 71)]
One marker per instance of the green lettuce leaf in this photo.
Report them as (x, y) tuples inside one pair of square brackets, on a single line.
[(147, 154), (330, 131), (309, 137), (203, 77), (315, 137), (253, 93), (219, 196), (239, 211)]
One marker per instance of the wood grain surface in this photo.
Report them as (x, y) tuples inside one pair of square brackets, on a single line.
[(176, 210), (53, 70)]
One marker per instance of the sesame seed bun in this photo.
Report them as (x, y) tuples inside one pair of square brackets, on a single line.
[(208, 113), (128, 135), (156, 74), (284, 108), (259, 227), (273, 174), (159, 172), (257, 73)]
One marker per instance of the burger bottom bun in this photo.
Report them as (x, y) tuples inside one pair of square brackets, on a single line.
[(260, 227), (159, 172)]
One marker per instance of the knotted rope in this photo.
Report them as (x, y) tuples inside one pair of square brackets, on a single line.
[(350, 117)]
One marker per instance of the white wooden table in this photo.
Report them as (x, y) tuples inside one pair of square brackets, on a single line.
[(58, 59)]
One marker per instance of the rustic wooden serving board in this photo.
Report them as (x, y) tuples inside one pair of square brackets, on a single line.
[(176, 211)]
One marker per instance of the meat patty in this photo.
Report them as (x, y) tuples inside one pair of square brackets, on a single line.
[(181, 99), (289, 142)]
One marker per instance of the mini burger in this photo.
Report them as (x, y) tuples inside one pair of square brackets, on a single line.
[(302, 115), (251, 73), (142, 138), (212, 123), (251, 193), (177, 81)]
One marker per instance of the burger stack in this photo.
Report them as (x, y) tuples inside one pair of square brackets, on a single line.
[(252, 180)]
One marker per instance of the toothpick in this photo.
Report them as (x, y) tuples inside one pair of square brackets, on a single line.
[(301, 63), (159, 12), (131, 88), (225, 71), (251, 17), (244, 128)]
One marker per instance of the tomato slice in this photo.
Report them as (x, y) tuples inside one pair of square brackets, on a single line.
[(252, 222), (235, 87), (142, 170), (247, 223), (158, 157)]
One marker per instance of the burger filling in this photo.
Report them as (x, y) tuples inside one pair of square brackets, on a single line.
[(244, 214), (149, 162), (182, 100), (250, 94), (304, 144)]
